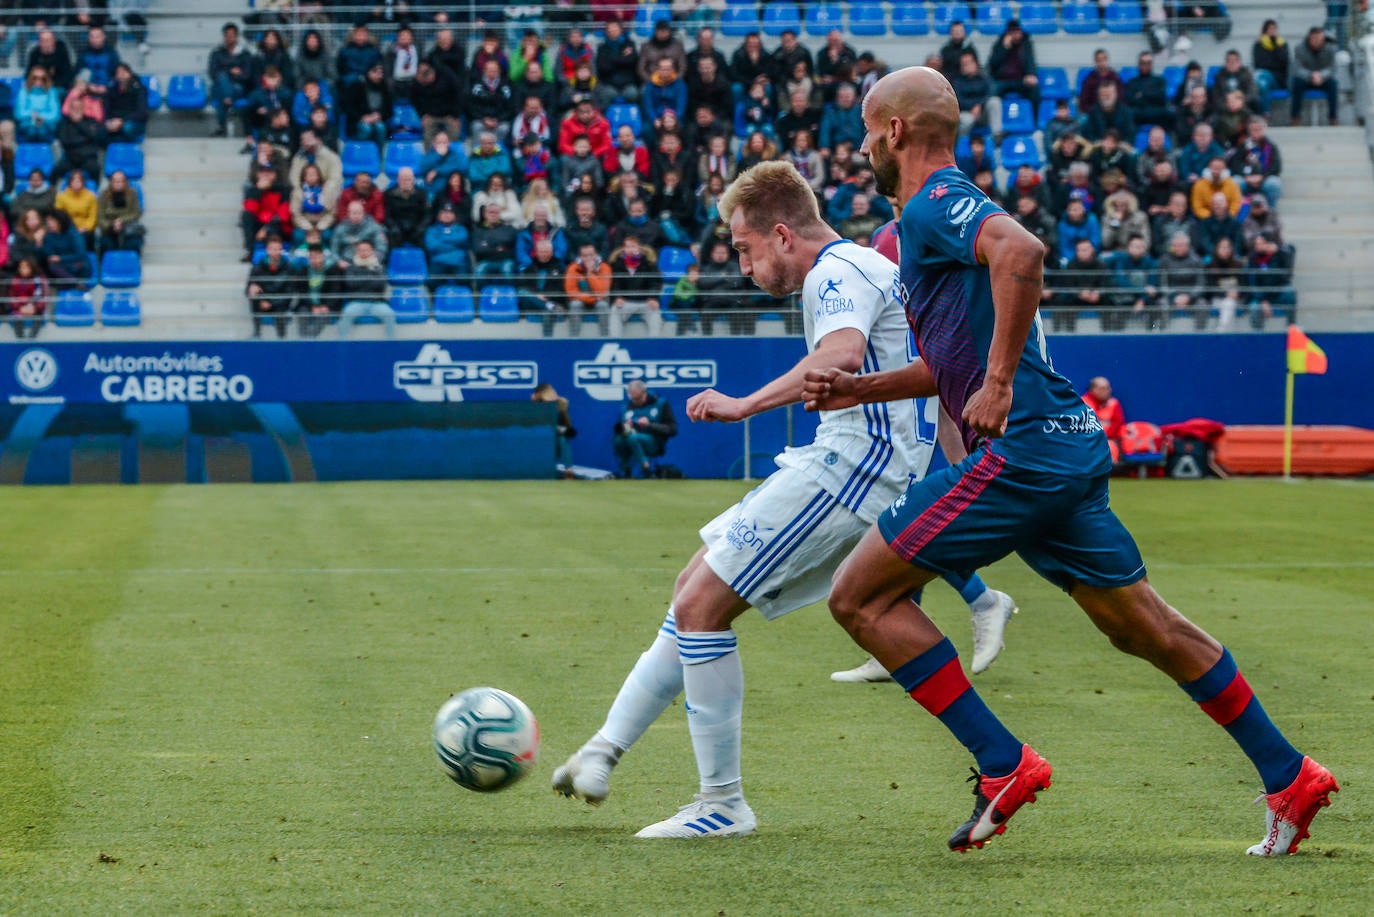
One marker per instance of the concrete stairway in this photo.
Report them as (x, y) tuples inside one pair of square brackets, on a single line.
[(192, 278), (1328, 216)]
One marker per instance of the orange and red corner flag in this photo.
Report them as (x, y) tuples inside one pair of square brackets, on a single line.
[(1303, 355)]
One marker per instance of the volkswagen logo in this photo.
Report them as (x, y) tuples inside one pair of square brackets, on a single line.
[(35, 370)]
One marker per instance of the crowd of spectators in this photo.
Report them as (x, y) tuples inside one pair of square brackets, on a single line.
[(72, 104), (525, 181)]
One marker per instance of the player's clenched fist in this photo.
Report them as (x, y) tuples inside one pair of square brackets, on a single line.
[(829, 390), (712, 405), (987, 409)]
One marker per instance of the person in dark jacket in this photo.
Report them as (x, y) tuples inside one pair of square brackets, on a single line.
[(585, 228), (319, 292), (367, 106), (1314, 68), (750, 61), (539, 286), (82, 140), (126, 106), (358, 55), (437, 100), (493, 244), (449, 54), (708, 86), (1146, 95), (269, 97), (973, 89), (635, 286), (64, 252), (407, 211), (956, 47), (646, 424), (1271, 55), (1107, 115), (230, 74), (1011, 65), (490, 103), (52, 54), (617, 67), (1083, 285), (271, 289)]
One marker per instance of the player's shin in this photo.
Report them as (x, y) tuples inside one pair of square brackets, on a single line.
[(937, 682), (1225, 696), (714, 682), (647, 691)]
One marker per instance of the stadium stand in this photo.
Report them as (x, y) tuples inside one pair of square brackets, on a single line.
[(189, 280)]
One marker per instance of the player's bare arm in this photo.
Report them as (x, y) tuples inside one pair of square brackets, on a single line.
[(1016, 263), (832, 389), (843, 349)]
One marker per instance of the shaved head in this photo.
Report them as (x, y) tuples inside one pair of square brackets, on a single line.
[(911, 115)]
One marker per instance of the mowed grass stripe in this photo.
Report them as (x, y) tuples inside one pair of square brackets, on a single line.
[(258, 743)]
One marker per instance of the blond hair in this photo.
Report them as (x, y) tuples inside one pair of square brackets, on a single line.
[(771, 193)]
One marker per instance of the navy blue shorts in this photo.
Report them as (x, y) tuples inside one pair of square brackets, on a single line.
[(977, 512)]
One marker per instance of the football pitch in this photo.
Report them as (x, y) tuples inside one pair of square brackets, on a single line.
[(218, 700)]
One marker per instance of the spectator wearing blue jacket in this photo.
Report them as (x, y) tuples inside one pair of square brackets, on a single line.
[(756, 111), (539, 227), (311, 95), (1193, 158), (98, 59), (1077, 224), (842, 120), (442, 160), (490, 158), (446, 246), (667, 91), (38, 108), (841, 206), (358, 55)]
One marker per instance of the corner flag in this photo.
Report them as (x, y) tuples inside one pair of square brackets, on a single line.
[(1303, 355)]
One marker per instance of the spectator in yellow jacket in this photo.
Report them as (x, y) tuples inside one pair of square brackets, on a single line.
[(1216, 180)]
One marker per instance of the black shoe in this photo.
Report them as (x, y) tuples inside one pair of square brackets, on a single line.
[(219, 132)]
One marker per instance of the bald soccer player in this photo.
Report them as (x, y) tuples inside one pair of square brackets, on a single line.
[(1035, 481)]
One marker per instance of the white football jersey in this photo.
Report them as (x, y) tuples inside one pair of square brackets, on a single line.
[(866, 455)]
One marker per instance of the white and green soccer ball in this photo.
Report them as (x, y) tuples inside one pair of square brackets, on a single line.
[(486, 739)]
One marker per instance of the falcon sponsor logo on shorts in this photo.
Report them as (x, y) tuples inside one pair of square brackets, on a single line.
[(744, 535)]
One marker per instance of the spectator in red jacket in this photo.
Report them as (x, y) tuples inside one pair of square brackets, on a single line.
[(628, 155), (1099, 397), (585, 121), (363, 189), (266, 211)]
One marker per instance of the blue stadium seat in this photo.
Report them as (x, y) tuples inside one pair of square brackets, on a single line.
[(623, 113), (73, 309), (945, 13), (1128, 73), (781, 17), (454, 305), (1081, 79), (410, 304), (406, 266), (405, 122), (120, 270), (1038, 19), (126, 158), (1018, 115), (1054, 83), (739, 21), (867, 20), (1173, 78), (16, 84), (822, 17), (673, 262), (1018, 151), (30, 156), (910, 20), (498, 304), (154, 87), (401, 154), (1212, 72), (992, 17), (1122, 17), (187, 92), (646, 14), (90, 282), (361, 156), (120, 309), (1080, 17)]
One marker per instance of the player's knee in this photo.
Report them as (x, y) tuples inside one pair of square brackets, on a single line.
[(846, 605)]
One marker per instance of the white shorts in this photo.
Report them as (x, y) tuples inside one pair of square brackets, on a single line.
[(779, 546)]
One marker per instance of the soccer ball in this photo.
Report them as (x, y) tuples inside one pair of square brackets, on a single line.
[(486, 739)]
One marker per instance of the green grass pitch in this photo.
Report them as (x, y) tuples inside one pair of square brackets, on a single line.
[(219, 699)]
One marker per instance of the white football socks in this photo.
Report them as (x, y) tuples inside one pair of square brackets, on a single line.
[(714, 681), (647, 691), (984, 601)]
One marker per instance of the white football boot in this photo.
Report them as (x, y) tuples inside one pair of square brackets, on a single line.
[(871, 670), (704, 818), (586, 775), (989, 625)]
